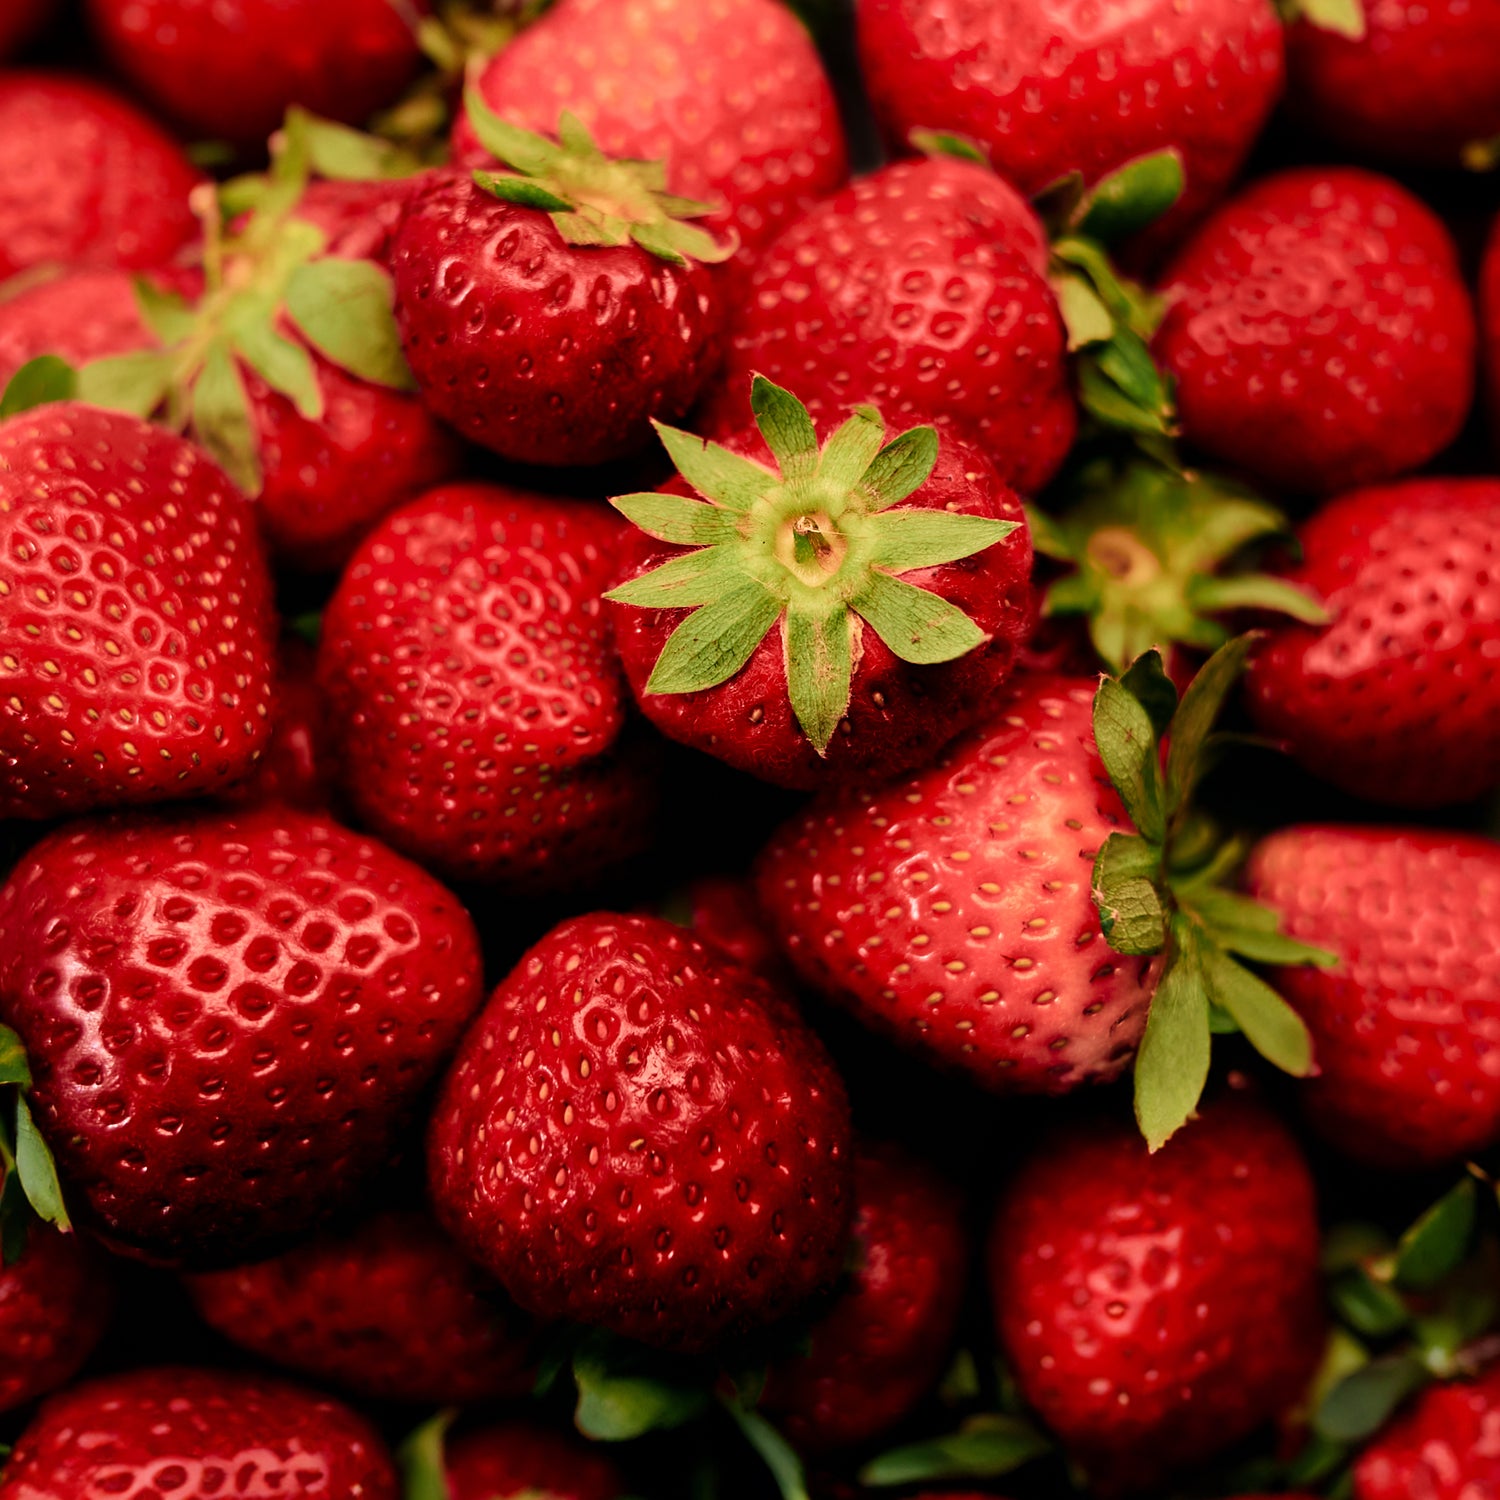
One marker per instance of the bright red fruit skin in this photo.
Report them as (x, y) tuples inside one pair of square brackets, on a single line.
[(547, 353), (1156, 1309), (511, 1460), (952, 909), (1406, 1030), (1397, 699), (229, 1019), (388, 1310), (192, 1433), (898, 714), (882, 1344), (136, 612), (228, 69), (921, 288), (88, 179), (80, 314), (1320, 332), (475, 703), (729, 93), (1442, 1447), (637, 1135)]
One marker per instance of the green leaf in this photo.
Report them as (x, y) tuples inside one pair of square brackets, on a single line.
[(1172, 1065), (1127, 361), (1147, 682), (1128, 747), (677, 518), (901, 468), (343, 309), (527, 192), (1085, 316), (1132, 196), (819, 669), (848, 454), (735, 482), (714, 642), (1436, 1244), (679, 243), (907, 539), (1368, 1306), (1246, 927), (137, 383), (222, 422), (522, 149), (683, 583), (1257, 591), (38, 1172), (424, 1471), (343, 154), (615, 1407), (1200, 707), (594, 230), (1344, 17), (918, 626), (1360, 1404), (1126, 870), (284, 366), (984, 1448), (787, 428), (39, 381), (947, 143), (1103, 399), (167, 315), (1270, 1025), (13, 1065), (778, 1455)]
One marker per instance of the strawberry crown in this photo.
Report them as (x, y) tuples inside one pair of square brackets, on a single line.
[(1344, 18), (816, 543), (28, 1175)]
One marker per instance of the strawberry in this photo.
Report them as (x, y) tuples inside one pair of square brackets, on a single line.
[(505, 1461), (1407, 1027), (1319, 332), (475, 704), (809, 658), (1489, 302), (189, 1434), (388, 1310), (228, 1019), (136, 611), (88, 179), (228, 69), (659, 1146), (881, 1345), (1441, 1448), (1396, 700), (722, 913), (730, 94), (1155, 1309), (296, 768)]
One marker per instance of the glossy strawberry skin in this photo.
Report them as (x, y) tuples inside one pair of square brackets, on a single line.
[(1396, 700), (881, 1346), (387, 1310), (1156, 1309), (952, 910), (136, 610), (1406, 1030), (475, 704), (729, 93), (511, 1460), (1319, 332), (229, 1019), (547, 353), (637, 1135), (1442, 1447), (89, 179), (203, 1429), (920, 288)]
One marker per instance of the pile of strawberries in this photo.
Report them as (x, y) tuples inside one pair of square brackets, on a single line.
[(682, 824)]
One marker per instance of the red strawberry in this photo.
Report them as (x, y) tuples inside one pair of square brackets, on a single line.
[(20, 20), (810, 658), (1407, 1027), (1050, 88), (1320, 332), (296, 768), (388, 1310), (882, 1344), (88, 179), (730, 94), (923, 289), (637, 1135), (722, 913), (189, 1434), (1442, 1447), (1157, 1308), (228, 1019), (1489, 302), (136, 611), (228, 69), (514, 1461), (475, 704), (1397, 699)]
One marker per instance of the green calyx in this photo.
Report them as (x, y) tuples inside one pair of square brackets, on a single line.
[(816, 543), (1345, 18), (30, 1187), (1161, 890), (593, 200)]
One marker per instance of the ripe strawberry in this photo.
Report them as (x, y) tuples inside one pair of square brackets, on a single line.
[(296, 768), (228, 1019), (228, 69), (136, 612), (722, 913), (730, 94), (659, 1145), (388, 1310), (1396, 700), (475, 704), (921, 288), (840, 630), (882, 1344), (1489, 302), (189, 1434), (1050, 89), (88, 179), (1319, 331), (1441, 1448), (1155, 1309), (514, 1461)]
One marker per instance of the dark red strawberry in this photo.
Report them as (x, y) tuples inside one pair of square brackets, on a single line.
[(1397, 699), (228, 1019), (1489, 302), (638, 1135), (88, 179), (297, 767), (1441, 1448), (883, 1343), (730, 94), (20, 20), (1320, 332), (388, 1310), (722, 913), (1155, 1309), (135, 608), (516, 1461), (476, 708), (857, 601), (189, 1434)]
